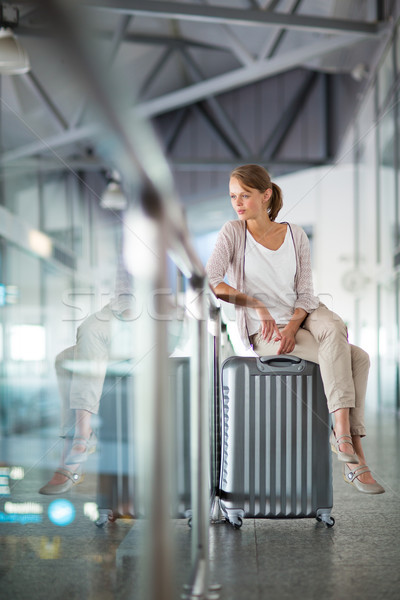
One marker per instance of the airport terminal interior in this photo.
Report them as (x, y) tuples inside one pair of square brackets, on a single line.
[(120, 123)]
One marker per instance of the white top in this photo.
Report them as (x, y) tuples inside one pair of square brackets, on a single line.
[(269, 275)]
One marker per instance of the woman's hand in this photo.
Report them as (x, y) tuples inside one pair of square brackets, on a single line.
[(268, 327), (288, 340), (287, 335)]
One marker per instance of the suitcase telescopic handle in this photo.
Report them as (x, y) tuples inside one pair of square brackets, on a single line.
[(281, 362)]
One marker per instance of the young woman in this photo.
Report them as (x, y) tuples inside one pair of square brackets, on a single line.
[(269, 270)]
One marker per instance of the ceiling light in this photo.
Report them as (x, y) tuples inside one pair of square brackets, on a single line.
[(113, 197), (13, 58), (359, 72)]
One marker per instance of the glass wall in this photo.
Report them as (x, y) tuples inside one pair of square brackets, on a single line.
[(77, 331), (376, 156)]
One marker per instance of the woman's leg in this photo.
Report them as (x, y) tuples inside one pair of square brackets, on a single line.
[(63, 364), (81, 371), (344, 369), (90, 365), (308, 348)]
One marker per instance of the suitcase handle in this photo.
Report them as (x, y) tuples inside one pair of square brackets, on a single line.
[(280, 361), (292, 364)]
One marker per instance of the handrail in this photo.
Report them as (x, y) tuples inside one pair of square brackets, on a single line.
[(139, 157)]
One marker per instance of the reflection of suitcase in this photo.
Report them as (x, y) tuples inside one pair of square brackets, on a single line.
[(115, 484), (116, 472), (276, 460), (179, 379)]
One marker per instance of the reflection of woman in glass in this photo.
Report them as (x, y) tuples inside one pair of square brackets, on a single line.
[(268, 267), (81, 370)]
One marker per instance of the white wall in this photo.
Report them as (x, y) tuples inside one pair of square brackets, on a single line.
[(323, 199)]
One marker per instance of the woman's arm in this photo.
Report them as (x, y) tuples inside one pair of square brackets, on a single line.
[(304, 284), (227, 293)]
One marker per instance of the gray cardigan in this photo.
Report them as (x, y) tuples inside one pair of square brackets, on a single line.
[(228, 259)]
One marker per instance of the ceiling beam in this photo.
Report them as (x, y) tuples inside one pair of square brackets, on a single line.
[(217, 131), (49, 165), (234, 16), (157, 68), (51, 143), (288, 117), (170, 138), (116, 42), (192, 94), (226, 125), (233, 42), (133, 38), (187, 165), (37, 88), (243, 76), (274, 40)]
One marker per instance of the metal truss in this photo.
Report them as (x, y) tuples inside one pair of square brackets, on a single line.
[(199, 91)]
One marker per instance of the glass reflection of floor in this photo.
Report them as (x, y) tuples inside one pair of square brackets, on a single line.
[(279, 560), (50, 546)]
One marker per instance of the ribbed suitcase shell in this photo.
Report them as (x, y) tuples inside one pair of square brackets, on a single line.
[(116, 466), (116, 471), (275, 457), (179, 379)]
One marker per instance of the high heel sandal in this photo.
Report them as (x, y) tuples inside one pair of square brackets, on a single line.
[(343, 456), (352, 478), (74, 458), (73, 478)]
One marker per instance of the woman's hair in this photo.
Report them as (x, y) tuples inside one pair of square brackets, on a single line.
[(256, 177)]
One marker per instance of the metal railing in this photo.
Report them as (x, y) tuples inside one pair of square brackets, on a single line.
[(157, 221)]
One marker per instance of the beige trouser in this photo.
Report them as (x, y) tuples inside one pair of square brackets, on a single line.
[(81, 369), (103, 338), (344, 368)]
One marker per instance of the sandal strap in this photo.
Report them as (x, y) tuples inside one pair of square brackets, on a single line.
[(355, 473), (73, 476), (347, 437), (80, 441)]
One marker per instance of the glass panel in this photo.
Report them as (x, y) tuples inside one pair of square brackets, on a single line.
[(387, 192), (25, 351), (386, 244), (385, 77), (56, 213), (388, 353), (397, 50), (44, 298), (21, 193), (367, 244)]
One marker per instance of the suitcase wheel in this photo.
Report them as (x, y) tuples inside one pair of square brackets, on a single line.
[(105, 516), (236, 522), (327, 519)]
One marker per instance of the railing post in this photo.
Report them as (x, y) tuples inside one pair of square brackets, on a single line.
[(153, 409), (200, 442)]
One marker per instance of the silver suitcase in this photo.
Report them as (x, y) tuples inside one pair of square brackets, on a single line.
[(276, 460)]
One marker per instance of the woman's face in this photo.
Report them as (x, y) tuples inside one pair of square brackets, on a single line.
[(248, 203)]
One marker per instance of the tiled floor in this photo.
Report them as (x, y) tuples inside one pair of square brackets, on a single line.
[(276, 559)]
